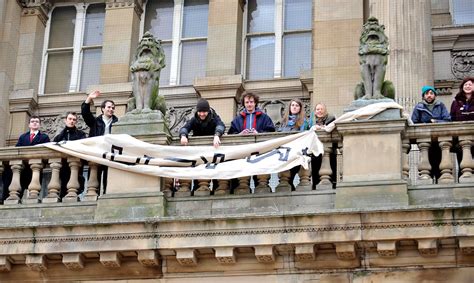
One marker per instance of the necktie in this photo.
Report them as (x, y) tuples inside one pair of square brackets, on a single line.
[(32, 136)]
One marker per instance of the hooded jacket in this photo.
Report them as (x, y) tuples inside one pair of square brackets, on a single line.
[(258, 121), (462, 109), (96, 125), (422, 114), (212, 125)]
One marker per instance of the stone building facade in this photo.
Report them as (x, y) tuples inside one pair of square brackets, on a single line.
[(379, 228)]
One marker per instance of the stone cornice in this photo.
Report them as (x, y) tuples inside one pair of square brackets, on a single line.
[(39, 8), (137, 5)]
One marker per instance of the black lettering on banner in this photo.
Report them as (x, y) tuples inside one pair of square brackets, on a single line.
[(204, 159), (182, 160), (283, 155), (214, 163), (147, 159), (119, 151), (304, 151)]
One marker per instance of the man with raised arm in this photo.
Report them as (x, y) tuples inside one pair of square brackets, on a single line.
[(102, 124)]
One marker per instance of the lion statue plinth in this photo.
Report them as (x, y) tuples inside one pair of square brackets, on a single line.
[(373, 54), (146, 66)]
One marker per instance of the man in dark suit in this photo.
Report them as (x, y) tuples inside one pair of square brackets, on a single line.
[(33, 136)]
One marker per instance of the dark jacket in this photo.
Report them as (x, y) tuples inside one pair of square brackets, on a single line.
[(24, 139), (421, 113), (96, 124), (462, 110), (70, 134), (260, 122), (321, 121), (212, 125)]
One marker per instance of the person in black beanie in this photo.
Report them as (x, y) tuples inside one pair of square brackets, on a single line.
[(205, 122)]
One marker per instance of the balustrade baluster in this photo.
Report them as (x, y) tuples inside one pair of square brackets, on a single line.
[(73, 185), (15, 186), (305, 180), (467, 162), (446, 165), (203, 188), (424, 167), (223, 188), (244, 186), (55, 183), (339, 160), (405, 160), (167, 186), (35, 185), (184, 189), (325, 172), (93, 183), (284, 185), (262, 186)]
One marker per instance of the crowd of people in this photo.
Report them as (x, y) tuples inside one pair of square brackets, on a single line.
[(251, 120)]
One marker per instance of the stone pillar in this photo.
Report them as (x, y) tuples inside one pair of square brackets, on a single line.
[(410, 64), (372, 165), (10, 13), (337, 27), (121, 31), (224, 41)]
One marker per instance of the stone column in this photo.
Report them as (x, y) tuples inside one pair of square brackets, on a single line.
[(10, 13), (223, 83), (337, 27), (408, 27), (121, 31)]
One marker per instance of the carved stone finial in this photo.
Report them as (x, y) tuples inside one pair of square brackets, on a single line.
[(39, 8), (373, 54), (147, 64)]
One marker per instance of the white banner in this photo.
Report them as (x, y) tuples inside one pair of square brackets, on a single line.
[(195, 162)]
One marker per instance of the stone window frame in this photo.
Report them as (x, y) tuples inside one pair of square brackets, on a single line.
[(176, 41), (77, 48), (278, 32)]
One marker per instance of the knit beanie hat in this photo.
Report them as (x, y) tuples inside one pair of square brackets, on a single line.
[(427, 88), (202, 106)]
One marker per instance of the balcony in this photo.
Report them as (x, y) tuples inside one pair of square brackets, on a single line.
[(375, 207)]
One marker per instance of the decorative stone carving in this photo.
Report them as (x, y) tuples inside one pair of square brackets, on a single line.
[(110, 259), (462, 64), (186, 257), (148, 258), (147, 64), (121, 4), (36, 262), (53, 125), (226, 255), (373, 53), (305, 252), (346, 251), (5, 264), (428, 247), (177, 117), (387, 248), (265, 254), (73, 261), (38, 8)]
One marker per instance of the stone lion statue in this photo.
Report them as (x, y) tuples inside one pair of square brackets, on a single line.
[(146, 66), (373, 54)]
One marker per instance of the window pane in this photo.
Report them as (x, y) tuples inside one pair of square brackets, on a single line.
[(159, 18), (463, 11), (260, 15), (94, 27), (195, 18), (63, 21), (260, 57), (297, 54), (58, 74), (165, 72), (193, 61), (298, 14), (90, 72)]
